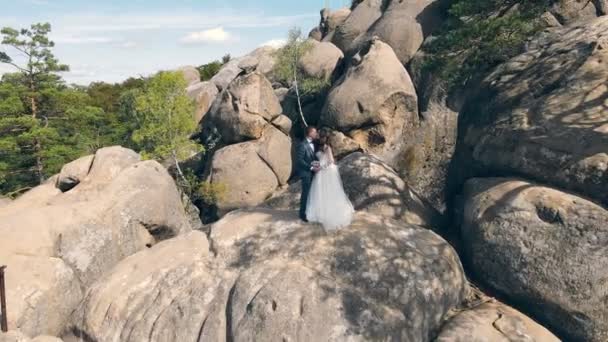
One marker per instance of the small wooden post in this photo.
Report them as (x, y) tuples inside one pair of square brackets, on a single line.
[(4, 321)]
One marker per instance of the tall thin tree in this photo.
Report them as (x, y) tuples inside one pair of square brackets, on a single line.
[(38, 67)]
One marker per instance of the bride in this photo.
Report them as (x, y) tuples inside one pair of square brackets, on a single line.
[(327, 203)]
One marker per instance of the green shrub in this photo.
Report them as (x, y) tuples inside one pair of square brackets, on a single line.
[(480, 34), (286, 67), (209, 70), (212, 193)]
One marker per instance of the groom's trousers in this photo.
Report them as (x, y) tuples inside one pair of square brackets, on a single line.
[(306, 184)]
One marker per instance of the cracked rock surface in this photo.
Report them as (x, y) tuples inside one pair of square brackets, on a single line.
[(56, 243), (265, 276)]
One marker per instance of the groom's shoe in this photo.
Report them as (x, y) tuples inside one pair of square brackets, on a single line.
[(303, 218)]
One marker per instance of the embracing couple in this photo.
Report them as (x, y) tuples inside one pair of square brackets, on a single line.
[(323, 199)]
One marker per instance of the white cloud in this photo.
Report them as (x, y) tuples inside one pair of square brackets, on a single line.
[(275, 43), (215, 35)]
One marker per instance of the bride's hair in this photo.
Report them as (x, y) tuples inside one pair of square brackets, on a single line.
[(323, 140)]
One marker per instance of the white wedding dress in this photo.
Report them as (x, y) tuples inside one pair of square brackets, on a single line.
[(327, 203)]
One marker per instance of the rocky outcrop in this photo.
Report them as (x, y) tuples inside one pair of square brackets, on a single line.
[(543, 249), (17, 336), (570, 11), (159, 294), (374, 103), (227, 74), (496, 322), (191, 75), (357, 23), (330, 20), (244, 109), (375, 187), (203, 93), (273, 277), (69, 238), (404, 25), (251, 171), (320, 60), (261, 60), (253, 157), (4, 201), (74, 172), (543, 115)]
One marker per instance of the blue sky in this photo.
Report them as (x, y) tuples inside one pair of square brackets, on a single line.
[(110, 40)]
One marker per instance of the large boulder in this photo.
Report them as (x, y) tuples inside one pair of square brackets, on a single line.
[(244, 109), (543, 115), (69, 239), (227, 74), (330, 20), (570, 11), (261, 60), (404, 25), (253, 157), (191, 75), (17, 336), (74, 172), (247, 178), (5, 201), (320, 60), (357, 23), (276, 278), (161, 294), (203, 93), (375, 187), (41, 292), (543, 249), (274, 148), (495, 322), (374, 103)]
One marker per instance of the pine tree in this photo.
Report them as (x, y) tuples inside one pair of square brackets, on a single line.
[(37, 76)]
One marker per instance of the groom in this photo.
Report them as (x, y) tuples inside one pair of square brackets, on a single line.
[(305, 156)]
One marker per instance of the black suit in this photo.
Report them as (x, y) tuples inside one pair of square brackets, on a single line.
[(305, 156)]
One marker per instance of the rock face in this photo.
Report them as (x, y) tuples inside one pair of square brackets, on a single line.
[(374, 187), (374, 103), (4, 201), (73, 173), (69, 239), (404, 25), (191, 75), (253, 157), (321, 60), (16, 336), (242, 111), (273, 277), (174, 273), (542, 248), (227, 74), (247, 178), (543, 115), (261, 60), (330, 20), (569, 11), (494, 322), (203, 93), (357, 23)]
